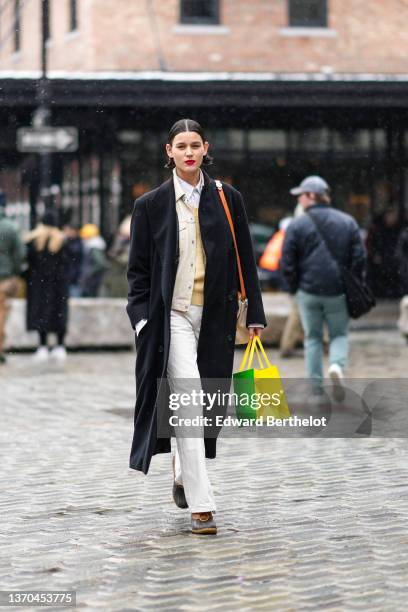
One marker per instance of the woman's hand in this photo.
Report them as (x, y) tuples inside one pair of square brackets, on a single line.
[(254, 331)]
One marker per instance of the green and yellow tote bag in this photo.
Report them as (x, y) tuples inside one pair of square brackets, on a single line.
[(259, 392)]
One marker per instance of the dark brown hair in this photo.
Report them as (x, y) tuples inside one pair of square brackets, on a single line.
[(321, 198), (186, 125)]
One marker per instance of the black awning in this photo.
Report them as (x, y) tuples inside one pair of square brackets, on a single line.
[(207, 94)]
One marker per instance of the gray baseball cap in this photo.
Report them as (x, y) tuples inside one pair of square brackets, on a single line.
[(312, 184)]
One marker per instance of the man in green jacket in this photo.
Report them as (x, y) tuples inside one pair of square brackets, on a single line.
[(11, 257)]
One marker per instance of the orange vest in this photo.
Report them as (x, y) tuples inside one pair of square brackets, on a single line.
[(273, 252)]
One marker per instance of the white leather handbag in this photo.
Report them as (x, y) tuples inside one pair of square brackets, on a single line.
[(242, 335)]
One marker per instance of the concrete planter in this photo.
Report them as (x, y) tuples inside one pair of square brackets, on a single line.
[(103, 322), (93, 323), (403, 317)]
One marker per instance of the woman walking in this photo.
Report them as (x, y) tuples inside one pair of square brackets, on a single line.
[(48, 286), (182, 302)]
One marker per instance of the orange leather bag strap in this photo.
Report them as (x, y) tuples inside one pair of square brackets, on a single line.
[(231, 224)]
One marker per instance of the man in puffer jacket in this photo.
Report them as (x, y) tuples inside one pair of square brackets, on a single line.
[(315, 278), (95, 262)]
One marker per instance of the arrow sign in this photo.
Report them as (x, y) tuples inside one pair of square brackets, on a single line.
[(47, 140)]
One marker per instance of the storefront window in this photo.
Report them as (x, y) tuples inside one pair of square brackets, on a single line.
[(380, 140), (316, 140), (267, 140), (226, 139), (129, 137), (350, 141)]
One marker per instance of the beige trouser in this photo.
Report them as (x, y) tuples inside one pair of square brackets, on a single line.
[(293, 330), (8, 288)]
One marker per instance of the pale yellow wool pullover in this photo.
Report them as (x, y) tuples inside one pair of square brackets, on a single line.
[(198, 287)]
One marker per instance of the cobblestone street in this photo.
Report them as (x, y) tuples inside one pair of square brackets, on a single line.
[(303, 524)]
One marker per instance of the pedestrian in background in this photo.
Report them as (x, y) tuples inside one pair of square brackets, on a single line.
[(270, 260), (95, 262), (402, 258), (271, 257), (48, 286), (182, 303), (75, 251), (383, 257), (115, 282), (11, 258), (315, 277), (292, 332), (121, 244)]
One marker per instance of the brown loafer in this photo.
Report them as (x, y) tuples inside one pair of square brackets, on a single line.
[(203, 523), (179, 495)]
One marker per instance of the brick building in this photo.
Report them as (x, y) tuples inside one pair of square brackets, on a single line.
[(284, 87), (300, 36)]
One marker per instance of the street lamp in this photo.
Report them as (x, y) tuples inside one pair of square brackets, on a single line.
[(42, 114)]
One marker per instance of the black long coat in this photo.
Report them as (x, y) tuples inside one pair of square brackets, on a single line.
[(152, 270), (47, 289)]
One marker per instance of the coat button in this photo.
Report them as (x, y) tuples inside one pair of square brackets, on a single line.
[(229, 337), (160, 349), (230, 298)]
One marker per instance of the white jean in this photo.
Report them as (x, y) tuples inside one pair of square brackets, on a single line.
[(190, 464)]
